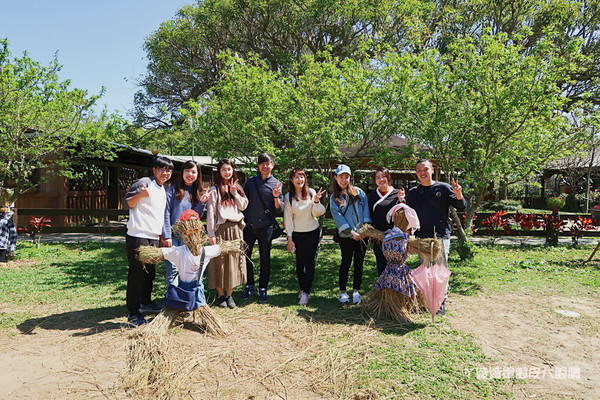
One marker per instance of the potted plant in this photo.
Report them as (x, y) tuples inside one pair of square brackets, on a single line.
[(555, 203)]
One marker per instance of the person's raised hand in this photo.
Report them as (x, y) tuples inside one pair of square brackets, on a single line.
[(277, 190), (233, 187), (456, 188), (204, 198), (319, 194), (144, 191), (401, 195)]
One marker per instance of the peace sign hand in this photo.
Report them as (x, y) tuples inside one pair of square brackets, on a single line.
[(233, 187), (277, 190), (401, 195), (456, 188), (320, 193)]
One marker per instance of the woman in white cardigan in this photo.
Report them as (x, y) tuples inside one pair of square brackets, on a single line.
[(300, 217), (225, 221)]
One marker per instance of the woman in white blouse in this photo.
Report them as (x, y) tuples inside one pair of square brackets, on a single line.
[(300, 217)]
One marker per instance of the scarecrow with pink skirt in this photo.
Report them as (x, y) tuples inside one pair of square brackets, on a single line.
[(395, 294)]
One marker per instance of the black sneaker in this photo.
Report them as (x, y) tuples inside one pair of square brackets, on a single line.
[(230, 302), (133, 321), (222, 302), (442, 311), (151, 308), (262, 295), (248, 290)]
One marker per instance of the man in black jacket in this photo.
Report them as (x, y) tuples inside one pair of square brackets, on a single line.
[(432, 200)]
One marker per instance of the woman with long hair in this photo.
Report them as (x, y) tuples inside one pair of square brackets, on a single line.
[(187, 192), (225, 221), (381, 200), (350, 210), (301, 211)]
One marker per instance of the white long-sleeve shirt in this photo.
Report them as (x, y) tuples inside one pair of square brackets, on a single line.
[(301, 215)]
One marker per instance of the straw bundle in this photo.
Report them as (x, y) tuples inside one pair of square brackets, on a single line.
[(422, 247), (369, 231), (150, 254), (236, 246), (206, 319), (400, 220), (389, 304), (192, 234)]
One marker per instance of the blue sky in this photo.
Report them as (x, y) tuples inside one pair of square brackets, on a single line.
[(99, 43)]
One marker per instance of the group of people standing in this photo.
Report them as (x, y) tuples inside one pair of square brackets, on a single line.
[(248, 213)]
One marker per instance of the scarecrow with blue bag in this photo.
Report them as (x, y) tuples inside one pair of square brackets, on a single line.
[(191, 260)]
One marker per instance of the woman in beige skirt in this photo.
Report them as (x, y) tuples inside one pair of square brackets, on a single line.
[(225, 221)]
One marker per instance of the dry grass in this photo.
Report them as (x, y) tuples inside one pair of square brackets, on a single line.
[(265, 356)]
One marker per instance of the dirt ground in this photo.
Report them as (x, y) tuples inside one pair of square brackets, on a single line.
[(265, 358), (555, 355)]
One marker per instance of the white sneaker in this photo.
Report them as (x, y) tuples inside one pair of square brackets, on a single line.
[(356, 298), (344, 298), (303, 299)]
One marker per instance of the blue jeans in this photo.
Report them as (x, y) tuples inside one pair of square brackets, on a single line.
[(264, 237), (170, 268)]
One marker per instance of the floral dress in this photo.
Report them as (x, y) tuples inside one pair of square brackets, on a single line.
[(396, 275)]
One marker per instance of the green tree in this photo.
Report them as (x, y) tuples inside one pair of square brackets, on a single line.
[(304, 118), (183, 52), (43, 123), (487, 109)]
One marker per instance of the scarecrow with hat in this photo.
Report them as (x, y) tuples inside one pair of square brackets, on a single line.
[(395, 294), (191, 260)]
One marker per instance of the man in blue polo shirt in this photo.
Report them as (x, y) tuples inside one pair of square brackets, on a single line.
[(264, 200)]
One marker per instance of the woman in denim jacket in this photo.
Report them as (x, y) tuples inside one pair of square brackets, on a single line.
[(350, 210)]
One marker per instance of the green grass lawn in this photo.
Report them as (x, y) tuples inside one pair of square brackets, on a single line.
[(47, 286)]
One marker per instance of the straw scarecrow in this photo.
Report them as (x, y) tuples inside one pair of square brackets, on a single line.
[(191, 260), (395, 295)]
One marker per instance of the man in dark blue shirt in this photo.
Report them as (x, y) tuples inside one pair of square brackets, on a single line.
[(265, 198), (432, 200)]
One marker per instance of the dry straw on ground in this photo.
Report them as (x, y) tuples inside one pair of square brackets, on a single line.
[(269, 354)]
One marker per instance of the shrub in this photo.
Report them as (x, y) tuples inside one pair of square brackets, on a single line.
[(509, 205), (555, 203)]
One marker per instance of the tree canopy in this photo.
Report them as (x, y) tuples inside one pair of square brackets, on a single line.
[(43, 123)]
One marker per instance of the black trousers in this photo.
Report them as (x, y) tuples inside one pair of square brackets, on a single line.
[(3, 255), (306, 251), (381, 261), (140, 277), (352, 249), (264, 238)]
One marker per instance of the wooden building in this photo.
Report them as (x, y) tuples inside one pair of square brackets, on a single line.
[(97, 195)]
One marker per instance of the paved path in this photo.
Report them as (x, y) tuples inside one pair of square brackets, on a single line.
[(97, 237)]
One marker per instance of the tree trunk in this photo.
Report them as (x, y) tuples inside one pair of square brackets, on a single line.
[(503, 190)]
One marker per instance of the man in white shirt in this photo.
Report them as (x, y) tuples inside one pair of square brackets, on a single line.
[(146, 201)]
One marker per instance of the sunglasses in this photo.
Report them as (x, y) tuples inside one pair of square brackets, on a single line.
[(194, 230)]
